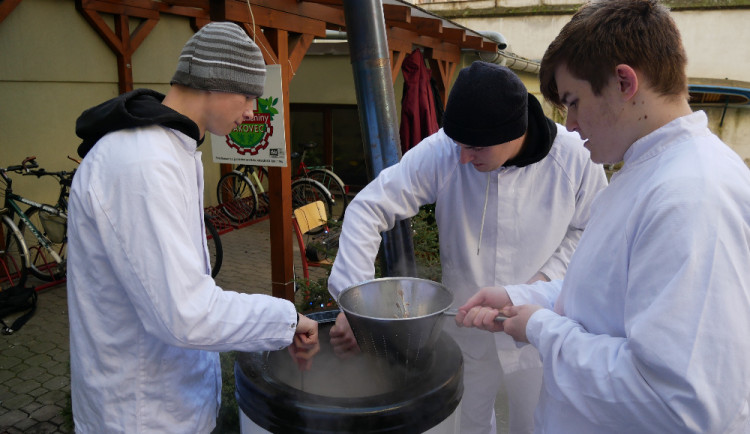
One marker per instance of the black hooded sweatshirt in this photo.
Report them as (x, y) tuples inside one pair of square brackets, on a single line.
[(540, 135), (139, 108)]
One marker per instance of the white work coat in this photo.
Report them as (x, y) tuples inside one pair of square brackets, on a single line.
[(534, 218), (146, 319), (650, 329)]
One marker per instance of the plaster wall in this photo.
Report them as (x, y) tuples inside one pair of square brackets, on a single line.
[(715, 40), (718, 53), (53, 66)]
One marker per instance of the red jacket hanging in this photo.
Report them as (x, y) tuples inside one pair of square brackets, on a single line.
[(418, 118)]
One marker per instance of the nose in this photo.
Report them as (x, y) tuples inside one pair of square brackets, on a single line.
[(571, 123), (247, 114), (466, 156)]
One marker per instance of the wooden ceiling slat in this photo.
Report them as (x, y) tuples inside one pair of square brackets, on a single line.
[(397, 13), (187, 3), (331, 15), (455, 34), (428, 26), (440, 48), (133, 8), (273, 18)]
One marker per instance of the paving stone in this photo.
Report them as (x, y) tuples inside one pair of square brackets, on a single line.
[(24, 386), (35, 361), (11, 418), (17, 402), (52, 397), (46, 412), (9, 362)]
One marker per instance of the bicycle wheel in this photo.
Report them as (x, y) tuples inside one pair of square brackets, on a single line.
[(336, 186), (307, 190), (237, 196), (13, 256), (42, 264), (215, 251)]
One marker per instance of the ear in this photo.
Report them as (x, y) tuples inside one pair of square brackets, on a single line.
[(627, 81)]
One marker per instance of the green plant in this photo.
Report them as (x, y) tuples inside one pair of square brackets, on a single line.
[(228, 420)]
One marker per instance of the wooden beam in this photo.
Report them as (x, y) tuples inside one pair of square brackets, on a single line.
[(397, 13), (439, 48), (297, 50), (397, 59), (132, 8), (257, 35), (398, 50), (331, 13), (273, 18), (121, 41), (6, 7), (442, 71), (280, 185)]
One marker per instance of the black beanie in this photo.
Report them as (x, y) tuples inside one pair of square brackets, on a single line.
[(488, 105)]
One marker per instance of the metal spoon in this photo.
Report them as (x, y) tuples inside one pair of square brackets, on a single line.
[(454, 311)]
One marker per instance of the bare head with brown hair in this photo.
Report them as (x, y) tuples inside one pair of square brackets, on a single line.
[(606, 33)]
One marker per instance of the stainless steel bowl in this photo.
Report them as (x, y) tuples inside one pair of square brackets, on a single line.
[(396, 318)]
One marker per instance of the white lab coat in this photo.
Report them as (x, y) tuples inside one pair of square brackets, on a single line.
[(146, 319), (534, 219), (650, 334)]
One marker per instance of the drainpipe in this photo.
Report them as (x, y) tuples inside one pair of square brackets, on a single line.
[(368, 48)]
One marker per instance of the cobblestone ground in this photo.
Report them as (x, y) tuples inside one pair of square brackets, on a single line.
[(35, 371), (34, 361)]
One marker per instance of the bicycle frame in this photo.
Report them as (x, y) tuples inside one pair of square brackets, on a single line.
[(12, 199), (251, 174)]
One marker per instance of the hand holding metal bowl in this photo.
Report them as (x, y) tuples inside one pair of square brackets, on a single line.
[(396, 318), (482, 310)]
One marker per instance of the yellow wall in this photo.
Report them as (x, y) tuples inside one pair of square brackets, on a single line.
[(53, 65)]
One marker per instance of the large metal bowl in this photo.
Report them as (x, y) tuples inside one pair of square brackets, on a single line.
[(396, 318)]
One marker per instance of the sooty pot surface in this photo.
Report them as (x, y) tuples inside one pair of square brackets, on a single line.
[(358, 394)]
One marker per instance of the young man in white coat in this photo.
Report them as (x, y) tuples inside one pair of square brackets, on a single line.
[(647, 333), (512, 192), (147, 321)]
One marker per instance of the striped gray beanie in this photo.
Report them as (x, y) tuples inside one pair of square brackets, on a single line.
[(221, 57)]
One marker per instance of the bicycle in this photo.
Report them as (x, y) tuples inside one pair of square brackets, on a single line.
[(215, 250), (326, 176), (40, 218), (54, 226), (237, 192), (15, 255)]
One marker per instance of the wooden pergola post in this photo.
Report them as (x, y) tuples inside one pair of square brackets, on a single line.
[(284, 29)]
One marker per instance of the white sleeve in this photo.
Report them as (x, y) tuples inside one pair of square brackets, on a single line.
[(142, 218), (396, 194), (540, 293), (680, 364)]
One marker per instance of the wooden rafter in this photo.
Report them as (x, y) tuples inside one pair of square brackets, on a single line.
[(6, 7), (284, 30), (120, 40)]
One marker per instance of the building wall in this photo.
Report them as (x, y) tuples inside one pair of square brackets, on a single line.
[(715, 40), (53, 66)]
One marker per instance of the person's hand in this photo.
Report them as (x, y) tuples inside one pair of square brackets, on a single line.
[(482, 308), (518, 317), (305, 344), (342, 338)]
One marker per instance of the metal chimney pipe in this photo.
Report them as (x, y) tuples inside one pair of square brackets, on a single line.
[(368, 48)]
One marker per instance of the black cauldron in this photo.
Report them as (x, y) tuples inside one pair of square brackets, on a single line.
[(362, 394)]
